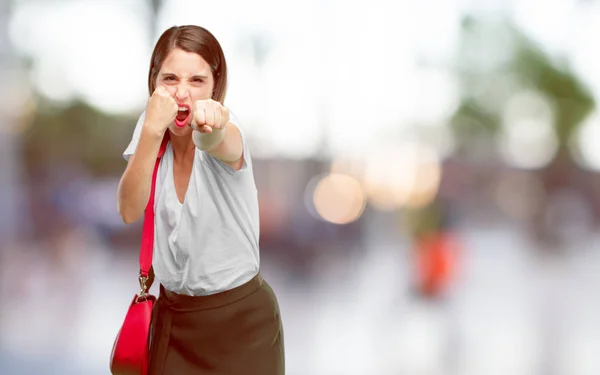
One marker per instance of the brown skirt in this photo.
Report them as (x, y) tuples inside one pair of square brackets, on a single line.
[(235, 332)]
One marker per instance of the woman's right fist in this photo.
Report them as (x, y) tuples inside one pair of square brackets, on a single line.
[(160, 110)]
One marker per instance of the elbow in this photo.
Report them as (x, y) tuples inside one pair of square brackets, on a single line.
[(127, 213), (128, 219), (127, 216)]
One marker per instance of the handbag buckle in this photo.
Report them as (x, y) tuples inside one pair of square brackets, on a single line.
[(143, 295)]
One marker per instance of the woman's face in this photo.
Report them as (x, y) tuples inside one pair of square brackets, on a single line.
[(188, 78)]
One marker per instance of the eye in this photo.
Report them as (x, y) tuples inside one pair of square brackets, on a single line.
[(199, 80), (169, 78)]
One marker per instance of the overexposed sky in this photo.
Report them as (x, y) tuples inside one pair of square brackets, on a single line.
[(352, 65)]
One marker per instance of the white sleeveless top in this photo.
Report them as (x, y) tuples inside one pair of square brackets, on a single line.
[(209, 243)]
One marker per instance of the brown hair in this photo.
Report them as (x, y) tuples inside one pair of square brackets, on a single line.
[(191, 38)]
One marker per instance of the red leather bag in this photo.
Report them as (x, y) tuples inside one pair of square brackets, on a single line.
[(130, 353)]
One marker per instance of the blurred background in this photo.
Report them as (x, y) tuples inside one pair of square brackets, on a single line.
[(427, 173)]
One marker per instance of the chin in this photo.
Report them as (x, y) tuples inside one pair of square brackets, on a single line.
[(180, 132)]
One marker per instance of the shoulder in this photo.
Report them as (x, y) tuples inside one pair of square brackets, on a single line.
[(136, 137)]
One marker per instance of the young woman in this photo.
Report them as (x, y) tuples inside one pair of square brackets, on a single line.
[(215, 314)]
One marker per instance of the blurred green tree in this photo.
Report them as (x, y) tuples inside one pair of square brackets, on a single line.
[(495, 61), (78, 133)]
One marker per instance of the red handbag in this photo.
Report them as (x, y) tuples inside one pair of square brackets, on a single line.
[(130, 353)]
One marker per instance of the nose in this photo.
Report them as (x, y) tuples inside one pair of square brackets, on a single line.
[(181, 94)]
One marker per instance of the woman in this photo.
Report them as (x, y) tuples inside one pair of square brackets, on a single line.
[(215, 314)]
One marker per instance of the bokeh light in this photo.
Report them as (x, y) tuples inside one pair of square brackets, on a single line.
[(585, 144), (527, 138), (407, 175), (339, 198)]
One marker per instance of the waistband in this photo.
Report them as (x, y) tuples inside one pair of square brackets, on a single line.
[(180, 302)]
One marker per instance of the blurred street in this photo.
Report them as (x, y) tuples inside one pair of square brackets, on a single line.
[(427, 173), (511, 313)]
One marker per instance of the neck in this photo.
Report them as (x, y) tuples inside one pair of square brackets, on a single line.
[(183, 146)]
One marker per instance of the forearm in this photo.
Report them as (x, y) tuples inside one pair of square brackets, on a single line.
[(224, 144), (134, 188)]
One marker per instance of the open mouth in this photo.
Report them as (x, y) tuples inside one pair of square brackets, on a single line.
[(183, 115)]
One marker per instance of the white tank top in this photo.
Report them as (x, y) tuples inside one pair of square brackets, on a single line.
[(209, 243)]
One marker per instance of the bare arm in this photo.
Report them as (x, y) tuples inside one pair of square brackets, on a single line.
[(134, 188), (224, 144)]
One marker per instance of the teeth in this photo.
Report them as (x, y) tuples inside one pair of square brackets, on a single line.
[(181, 109)]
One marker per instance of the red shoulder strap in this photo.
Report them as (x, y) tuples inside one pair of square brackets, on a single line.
[(148, 229)]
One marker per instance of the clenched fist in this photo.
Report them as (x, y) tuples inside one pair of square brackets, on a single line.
[(209, 115), (160, 110)]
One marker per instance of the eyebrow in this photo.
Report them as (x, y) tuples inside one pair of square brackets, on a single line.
[(194, 76)]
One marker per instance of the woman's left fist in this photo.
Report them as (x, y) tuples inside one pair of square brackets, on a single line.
[(209, 115)]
